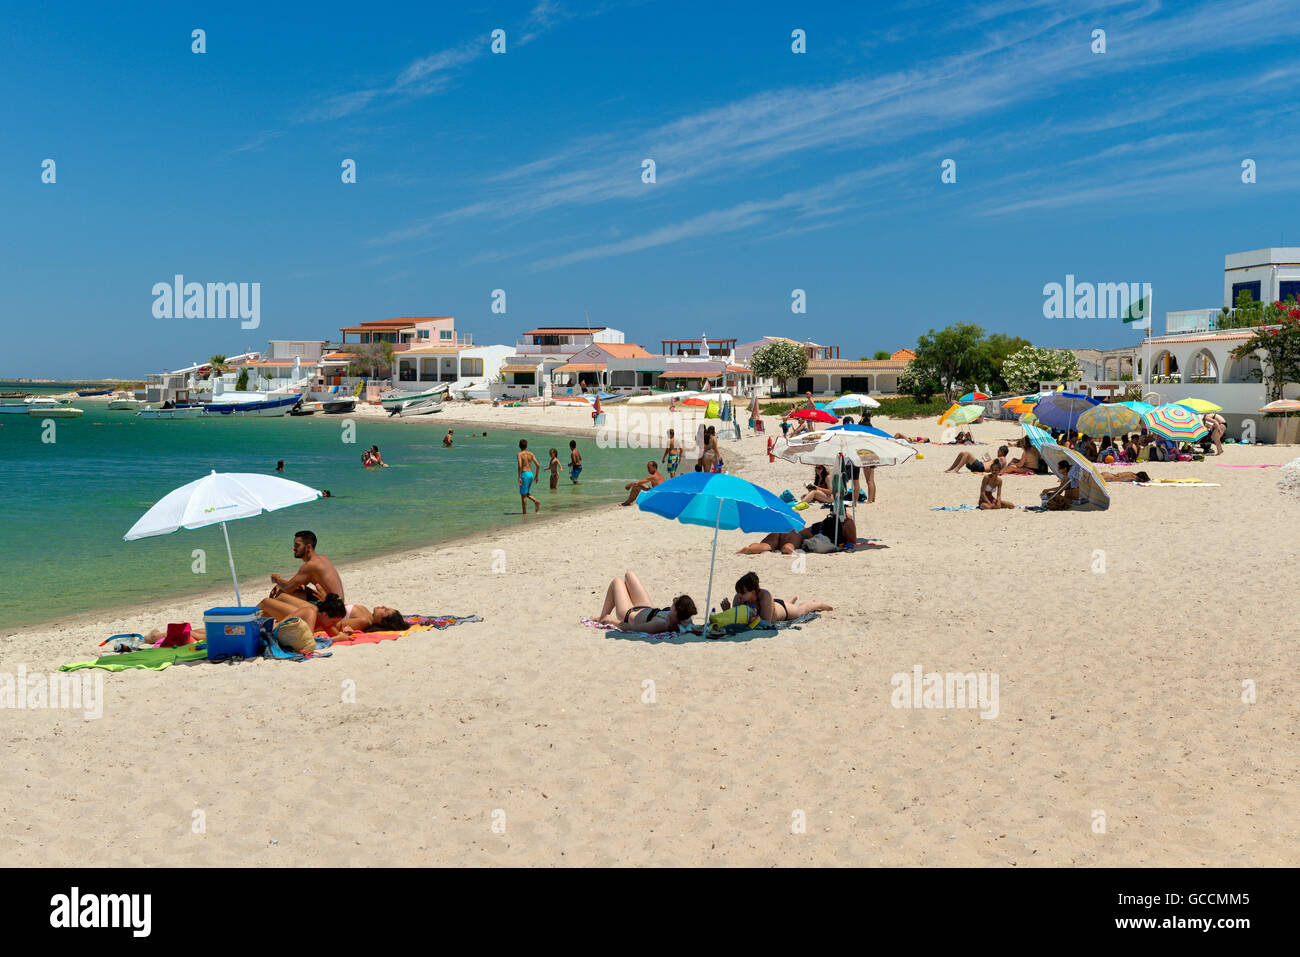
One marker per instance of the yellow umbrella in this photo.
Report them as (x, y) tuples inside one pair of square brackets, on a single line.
[(1199, 405), (949, 411)]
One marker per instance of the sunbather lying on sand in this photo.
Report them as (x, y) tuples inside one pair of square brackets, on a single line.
[(628, 605), (1126, 476), (787, 542), (767, 607), (969, 460), (333, 617)]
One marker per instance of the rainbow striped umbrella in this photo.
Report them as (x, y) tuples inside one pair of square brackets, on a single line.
[(1036, 435), (1175, 423), (965, 415), (972, 397), (1107, 420), (1029, 419)]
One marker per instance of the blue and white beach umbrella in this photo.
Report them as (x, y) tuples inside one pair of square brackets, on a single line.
[(720, 501)]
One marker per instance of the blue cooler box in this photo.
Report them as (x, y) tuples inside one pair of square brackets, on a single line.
[(233, 631)]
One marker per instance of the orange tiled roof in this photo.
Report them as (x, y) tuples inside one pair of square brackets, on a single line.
[(850, 365), (622, 350), (906, 355)]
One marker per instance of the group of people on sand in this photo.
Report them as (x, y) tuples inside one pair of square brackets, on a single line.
[(314, 595), (629, 606), (529, 469)]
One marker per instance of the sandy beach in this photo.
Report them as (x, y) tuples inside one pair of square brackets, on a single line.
[(1121, 641)]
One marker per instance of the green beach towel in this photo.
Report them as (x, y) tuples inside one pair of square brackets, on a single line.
[(154, 659)]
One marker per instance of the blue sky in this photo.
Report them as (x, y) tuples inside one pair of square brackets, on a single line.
[(522, 171)]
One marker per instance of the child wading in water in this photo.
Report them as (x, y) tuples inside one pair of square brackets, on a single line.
[(575, 462), (554, 468)]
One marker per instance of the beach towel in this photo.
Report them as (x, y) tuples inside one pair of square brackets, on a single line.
[(1177, 483), (272, 649), (975, 508), (415, 623), (152, 659), (760, 629), (1222, 466)]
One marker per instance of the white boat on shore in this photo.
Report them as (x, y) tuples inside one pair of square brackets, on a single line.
[(394, 401), (269, 408), (126, 405), (185, 412), (340, 405), (419, 407)]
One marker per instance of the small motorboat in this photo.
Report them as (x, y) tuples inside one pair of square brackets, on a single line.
[(126, 405), (84, 393), (397, 400), (13, 408), (50, 409), (419, 407), (306, 408), (272, 408), (183, 412), (339, 406)]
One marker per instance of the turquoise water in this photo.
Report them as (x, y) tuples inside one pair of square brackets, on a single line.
[(67, 504)]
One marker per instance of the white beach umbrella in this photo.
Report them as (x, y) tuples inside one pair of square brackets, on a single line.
[(219, 498)]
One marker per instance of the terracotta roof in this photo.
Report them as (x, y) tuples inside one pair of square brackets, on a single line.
[(622, 350), (429, 351), (904, 354), (1244, 334), (581, 367)]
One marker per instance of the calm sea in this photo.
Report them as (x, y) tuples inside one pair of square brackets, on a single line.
[(67, 504)]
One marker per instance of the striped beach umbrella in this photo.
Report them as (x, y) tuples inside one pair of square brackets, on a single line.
[(1199, 405), (1282, 405), (1029, 419), (965, 415), (1103, 420), (1175, 423), (973, 397), (1036, 435), (1092, 487)]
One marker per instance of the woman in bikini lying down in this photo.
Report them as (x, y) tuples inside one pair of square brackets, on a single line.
[(332, 616), (628, 605), (768, 608)]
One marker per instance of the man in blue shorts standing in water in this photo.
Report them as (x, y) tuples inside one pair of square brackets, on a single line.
[(575, 462), (528, 470)]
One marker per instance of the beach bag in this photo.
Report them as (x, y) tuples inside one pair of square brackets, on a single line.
[(177, 634), (735, 615), (294, 634), (818, 544), (787, 496)]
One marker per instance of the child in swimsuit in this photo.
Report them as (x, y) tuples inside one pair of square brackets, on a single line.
[(991, 488), (554, 468), (575, 462)]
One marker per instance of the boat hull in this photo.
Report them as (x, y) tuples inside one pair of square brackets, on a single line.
[(339, 406), (419, 408), (191, 412), (272, 408), (54, 412), (126, 405), (13, 410), (398, 401)]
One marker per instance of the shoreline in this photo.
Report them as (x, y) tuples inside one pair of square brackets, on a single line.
[(361, 566)]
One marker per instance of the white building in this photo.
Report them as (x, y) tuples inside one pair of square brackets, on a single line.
[(469, 369)]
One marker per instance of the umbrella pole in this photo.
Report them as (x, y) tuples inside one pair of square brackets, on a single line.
[(231, 555), (708, 597)]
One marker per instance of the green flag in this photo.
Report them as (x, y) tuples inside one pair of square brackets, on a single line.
[(1137, 310)]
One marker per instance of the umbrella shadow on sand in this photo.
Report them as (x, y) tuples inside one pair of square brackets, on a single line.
[(739, 635)]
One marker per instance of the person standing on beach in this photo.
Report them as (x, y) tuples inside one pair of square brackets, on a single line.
[(673, 454), (595, 410), (316, 576), (553, 466), (575, 462), (528, 470)]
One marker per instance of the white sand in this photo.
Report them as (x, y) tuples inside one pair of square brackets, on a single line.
[(1120, 693)]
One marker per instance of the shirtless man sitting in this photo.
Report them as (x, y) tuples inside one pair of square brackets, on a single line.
[(650, 481), (316, 576), (1029, 460)]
